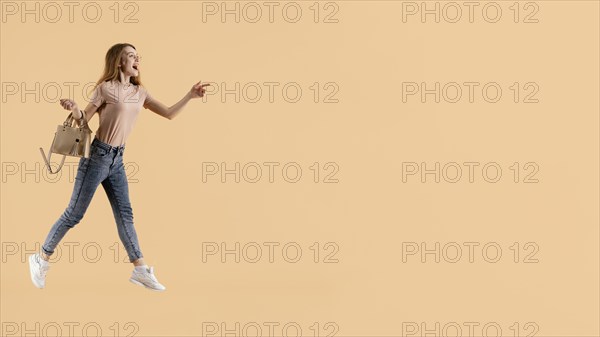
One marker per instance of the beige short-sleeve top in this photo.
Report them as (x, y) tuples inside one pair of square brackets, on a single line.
[(118, 108)]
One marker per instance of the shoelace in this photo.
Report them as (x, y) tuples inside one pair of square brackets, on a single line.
[(151, 275), (43, 271)]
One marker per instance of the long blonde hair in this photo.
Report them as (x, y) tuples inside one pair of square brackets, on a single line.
[(111, 65)]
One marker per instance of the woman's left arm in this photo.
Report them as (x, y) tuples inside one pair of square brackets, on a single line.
[(154, 105)]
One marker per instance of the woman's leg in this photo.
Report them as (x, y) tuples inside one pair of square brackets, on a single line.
[(90, 173), (116, 187), (117, 190)]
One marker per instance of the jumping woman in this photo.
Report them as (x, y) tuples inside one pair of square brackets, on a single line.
[(117, 98)]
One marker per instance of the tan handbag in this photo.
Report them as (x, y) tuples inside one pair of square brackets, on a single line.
[(70, 140)]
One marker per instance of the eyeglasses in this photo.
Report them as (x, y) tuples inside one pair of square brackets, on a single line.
[(138, 57)]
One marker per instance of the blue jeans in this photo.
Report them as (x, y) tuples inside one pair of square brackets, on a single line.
[(104, 166)]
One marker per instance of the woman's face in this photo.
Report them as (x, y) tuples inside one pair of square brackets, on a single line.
[(130, 62)]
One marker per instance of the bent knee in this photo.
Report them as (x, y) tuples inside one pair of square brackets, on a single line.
[(70, 219)]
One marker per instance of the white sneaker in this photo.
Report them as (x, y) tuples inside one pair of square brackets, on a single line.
[(38, 270), (147, 279)]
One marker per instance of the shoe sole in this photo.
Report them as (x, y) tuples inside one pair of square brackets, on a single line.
[(32, 273), (143, 285)]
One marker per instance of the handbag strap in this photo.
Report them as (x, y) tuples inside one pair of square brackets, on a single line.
[(48, 161), (49, 155)]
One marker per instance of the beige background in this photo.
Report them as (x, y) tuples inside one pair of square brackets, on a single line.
[(369, 133)]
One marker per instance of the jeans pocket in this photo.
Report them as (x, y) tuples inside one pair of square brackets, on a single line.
[(100, 152)]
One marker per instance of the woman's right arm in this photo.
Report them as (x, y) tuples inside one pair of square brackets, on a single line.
[(89, 111), (69, 104), (91, 108)]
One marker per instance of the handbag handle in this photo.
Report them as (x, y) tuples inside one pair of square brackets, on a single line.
[(70, 121)]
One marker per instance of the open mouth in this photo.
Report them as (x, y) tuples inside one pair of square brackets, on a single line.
[(135, 67)]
